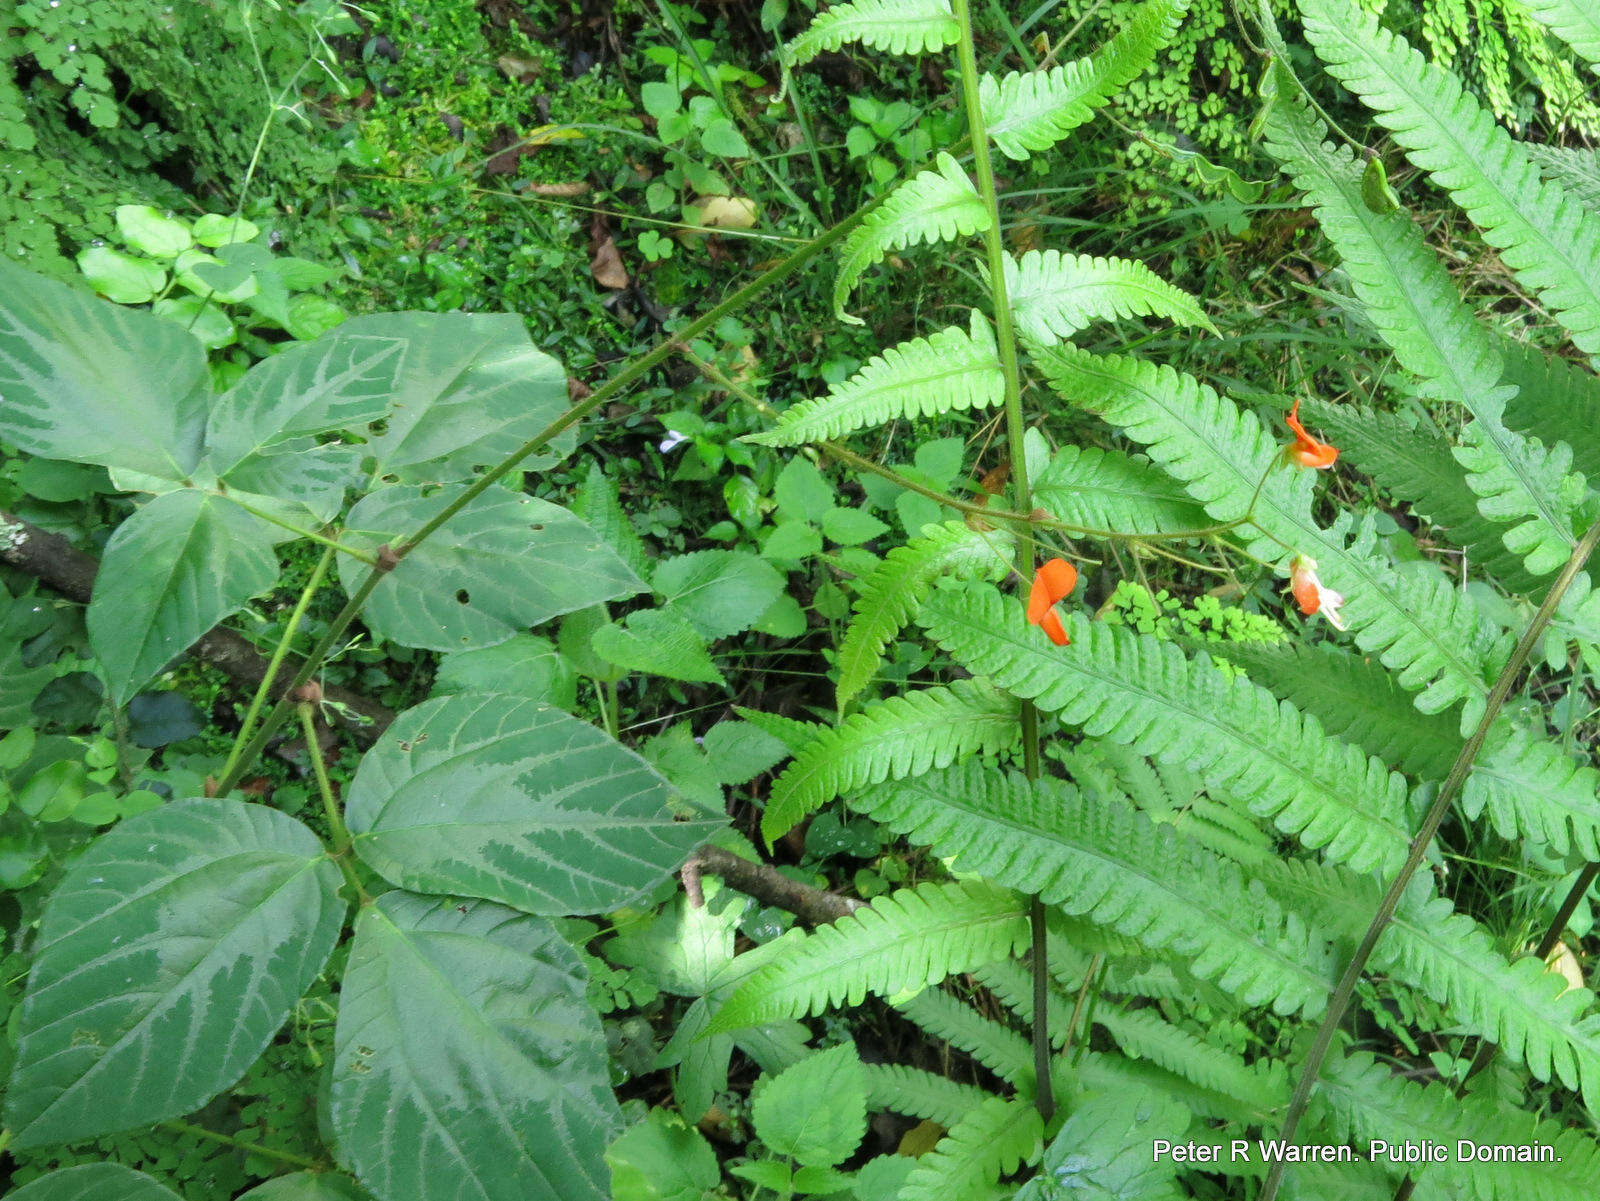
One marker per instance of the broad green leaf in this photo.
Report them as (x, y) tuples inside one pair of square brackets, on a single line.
[(307, 1186), (207, 323), (504, 563), (503, 798), (815, 1111), (719, 592), (524, 665), (145, 229), (214, 229), (661, 1159), (300, 482), (1103, 1151), (168, 957), (468, 1063), (173, 570), (657, 642), (94, 1182), (473, 390), (341, 382), (84, 380), (121, 278)]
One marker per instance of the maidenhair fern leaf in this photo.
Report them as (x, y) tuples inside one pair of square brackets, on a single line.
[(1033, 111), (919, 1094), (1245, 744), (1054, 295), (934, 206), (992, 1140), (1412, 301), (1419, 623), (891, 592), (1098, 489), (1575, 22), (893, 26), (905, 940), (1109, 864), (1369, 1101), (953, 369), (996, 1046), (1546, 237), (902, 736)]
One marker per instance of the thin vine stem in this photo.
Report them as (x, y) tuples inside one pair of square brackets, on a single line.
[(619, 383), (279, 652), (1016, 427), (307, 711), (1345, 991)]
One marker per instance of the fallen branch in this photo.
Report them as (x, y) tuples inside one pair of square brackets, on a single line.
[(53, 560), (814, 906)]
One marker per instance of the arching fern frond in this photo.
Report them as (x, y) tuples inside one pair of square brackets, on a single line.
[(1245, 744), (997, 1047), (907, 939), (1143, 1034), (891, 592), (1533, 789), (1369, 1101), (893, 26), (1416, 620), (1571, 168), (1412, 301), (1108, 490), (934, 206), (1054, 295), (992, 1140), (1547, 238), (1113, 866), (950, 370), (1033, 111), (1575, 22), (902, 736), (1556, 401), (919, 1094)]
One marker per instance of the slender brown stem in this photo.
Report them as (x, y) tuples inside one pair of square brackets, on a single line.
[(1345, 991)]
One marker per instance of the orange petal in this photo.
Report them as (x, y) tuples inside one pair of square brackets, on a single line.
[(1315, 454), (1052, 626), (1293, 422), (1306, 594)]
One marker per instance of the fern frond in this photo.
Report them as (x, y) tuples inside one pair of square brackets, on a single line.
[(996, 1046), (1107, 490), (901, 736), (934, 206), (1556, 401), (893, 26), (1110, 1072), (790, 731), (1575, 22), (1143, 1034), (1547, 238), (1418, 623), (1054, 295), (1569, 167), (1033, 111), (953, 369), (1526, 1009), (1531, 788), (1354, 698), (1368, 1101), (1113, 866), (1243, 742), (919, 1094), (1412, 301), (993, 1140), (907, 939), (891, 592), (1012, 985)]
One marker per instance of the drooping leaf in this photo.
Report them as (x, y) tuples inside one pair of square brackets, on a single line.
[(169, 955), (467, 1061), (85, 380), (502, 564), (179, 565), (94, 1182), (503, 798)]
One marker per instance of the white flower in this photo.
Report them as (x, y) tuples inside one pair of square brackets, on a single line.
[(673, 440)]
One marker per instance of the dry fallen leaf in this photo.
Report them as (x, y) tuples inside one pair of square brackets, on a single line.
[(727, 212), (1565, 964), (606, 265)]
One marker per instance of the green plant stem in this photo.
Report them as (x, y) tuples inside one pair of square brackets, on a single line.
[(264, 689), (330, 804), (1016, 426), (227, 1140), (1345, 991), (623, 380), (366, 557), (5, 1141)]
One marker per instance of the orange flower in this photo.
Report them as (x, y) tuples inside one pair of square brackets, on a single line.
[(1307, 451), (1311, 595), (1053, 582)]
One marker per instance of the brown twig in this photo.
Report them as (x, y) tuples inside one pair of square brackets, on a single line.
[(814, 906)]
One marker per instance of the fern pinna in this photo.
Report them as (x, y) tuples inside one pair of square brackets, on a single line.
[(1169, 861)]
